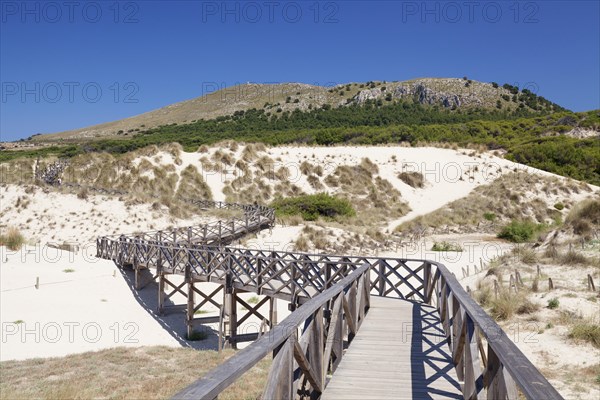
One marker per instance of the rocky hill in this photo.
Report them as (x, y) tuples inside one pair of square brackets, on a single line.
[(446, 93)]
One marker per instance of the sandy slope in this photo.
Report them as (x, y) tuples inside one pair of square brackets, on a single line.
[(55, 315)]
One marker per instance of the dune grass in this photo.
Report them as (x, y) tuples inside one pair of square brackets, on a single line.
[(123, 373), (12, 238), (586, 331), (508, 304), (413, 179)]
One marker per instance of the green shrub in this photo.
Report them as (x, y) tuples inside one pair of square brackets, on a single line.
[(489, 216), (313, 206), (559, 206), (553, 303), (519, 231), (197, 336)]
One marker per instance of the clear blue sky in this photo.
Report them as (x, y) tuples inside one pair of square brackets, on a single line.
[(142, 55)]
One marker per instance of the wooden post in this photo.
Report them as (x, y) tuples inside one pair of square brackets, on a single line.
[(37, 282), (231, 310), (496, 289), (221, 324), (426, 282), (550, 284), (518, 279), (539, 271), (161, 277), (591, 285), (272, 311)]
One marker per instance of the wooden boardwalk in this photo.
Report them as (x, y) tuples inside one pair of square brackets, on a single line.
[(400, 352)]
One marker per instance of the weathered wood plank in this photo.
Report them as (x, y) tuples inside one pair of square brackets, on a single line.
[(389, 357)]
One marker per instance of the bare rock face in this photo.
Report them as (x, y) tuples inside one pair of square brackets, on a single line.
[(449, 93), (368, 94), (426, 95)]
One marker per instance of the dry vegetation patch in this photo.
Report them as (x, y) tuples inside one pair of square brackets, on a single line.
[(12, 238), (518, 196), (123, 373), (414, 179)]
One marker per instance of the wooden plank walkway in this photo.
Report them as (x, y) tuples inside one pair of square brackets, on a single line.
[(399, 352)]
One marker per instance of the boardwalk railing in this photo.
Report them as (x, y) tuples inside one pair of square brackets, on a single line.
[(489, 364), (294, 277), (301, 361), (498, 370)]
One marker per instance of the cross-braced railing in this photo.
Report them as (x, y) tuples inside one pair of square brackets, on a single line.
[(307, 345), (487, 362)]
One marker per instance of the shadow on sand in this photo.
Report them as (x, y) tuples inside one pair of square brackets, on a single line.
[(173, 320)]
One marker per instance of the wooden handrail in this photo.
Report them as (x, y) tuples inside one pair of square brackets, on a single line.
[(217, 380), (504, 364), (495, 370)]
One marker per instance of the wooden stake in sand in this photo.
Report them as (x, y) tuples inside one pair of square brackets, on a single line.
[(496, 289), (518, 277), (591, 285), (37, 282), (513, 284), (550, 284)]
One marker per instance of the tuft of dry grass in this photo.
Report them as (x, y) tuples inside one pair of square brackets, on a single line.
[(160, 372), (525, 254), (586, 331), (584, 218), (12, 238), (508, 304), (413, 179), (572, 257)]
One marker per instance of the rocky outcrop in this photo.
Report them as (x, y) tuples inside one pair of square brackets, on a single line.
[(449, 93)]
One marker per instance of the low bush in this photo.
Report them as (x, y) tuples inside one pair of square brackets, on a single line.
[(489, 216), (553, 303), (519, 231), (197, 336), (311, 207)]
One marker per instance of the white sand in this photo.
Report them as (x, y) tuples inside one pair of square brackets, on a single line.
[(90, 309)]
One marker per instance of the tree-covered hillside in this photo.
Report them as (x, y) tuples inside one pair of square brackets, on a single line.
[(541, 141)]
